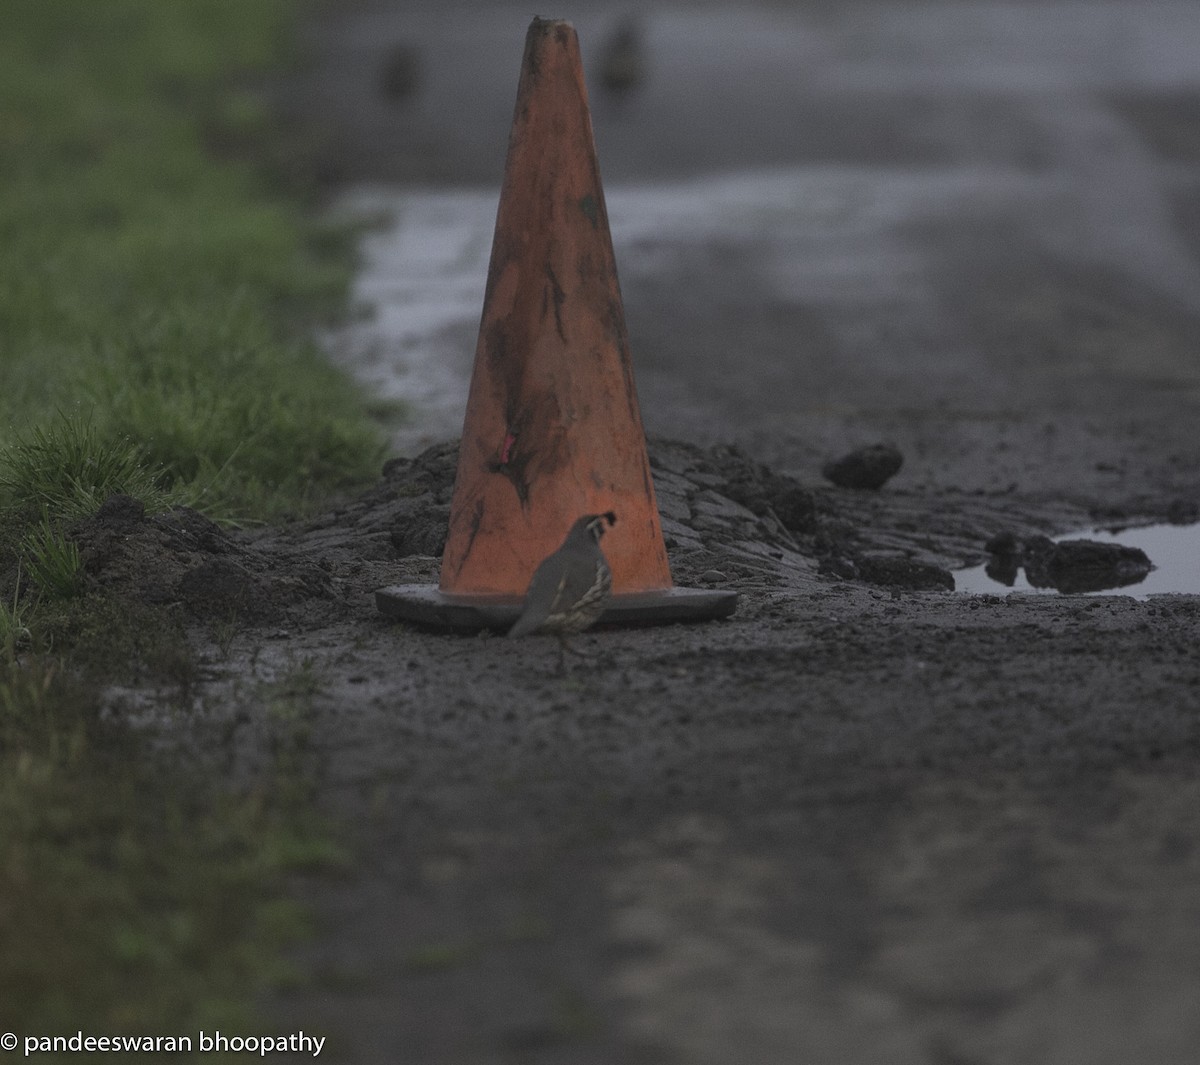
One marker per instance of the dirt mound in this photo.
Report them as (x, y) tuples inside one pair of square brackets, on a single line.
[(727, 520), (182, 557)]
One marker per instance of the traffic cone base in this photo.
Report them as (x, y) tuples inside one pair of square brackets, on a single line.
[(427, 605), (552, 429)]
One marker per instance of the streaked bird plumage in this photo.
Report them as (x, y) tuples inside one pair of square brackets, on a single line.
[(570, 587)]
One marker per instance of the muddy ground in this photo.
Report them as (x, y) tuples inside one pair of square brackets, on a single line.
[(867, 819), (857, 822)]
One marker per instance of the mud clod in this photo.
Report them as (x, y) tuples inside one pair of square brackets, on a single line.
[(1068, 566), (904, 573), (868, 467), (1083, 565)]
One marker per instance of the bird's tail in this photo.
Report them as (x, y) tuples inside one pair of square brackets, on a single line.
[(525, 624)]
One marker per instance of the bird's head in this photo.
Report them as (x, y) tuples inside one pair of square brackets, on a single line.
[(597, 524)]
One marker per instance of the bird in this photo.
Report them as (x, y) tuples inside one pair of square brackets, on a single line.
[(570, 586)]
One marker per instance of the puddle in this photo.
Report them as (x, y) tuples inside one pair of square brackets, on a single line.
[(835, 233), (1174, 551)]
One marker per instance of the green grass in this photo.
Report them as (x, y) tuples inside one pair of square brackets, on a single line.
[(54, 562), (154, 284), (14, 629), (67, 469), (160, 278)]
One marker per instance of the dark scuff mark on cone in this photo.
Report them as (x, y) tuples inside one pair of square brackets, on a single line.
[(620, 337), (507, 458), (616, 328), (536, 445), (559, 297), (503, 366), (588, 269), (511, 464), (563, 32), (531, 64), (476, 523), (515, 472), (473, 524)]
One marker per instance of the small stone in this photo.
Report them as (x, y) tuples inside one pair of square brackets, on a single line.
[(795, 506), (836, 566), (1003, 543), (1003, 569), (869, 467), (899, 572), (713, 576)]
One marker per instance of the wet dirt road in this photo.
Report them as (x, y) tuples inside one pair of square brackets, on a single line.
[(856, 823)]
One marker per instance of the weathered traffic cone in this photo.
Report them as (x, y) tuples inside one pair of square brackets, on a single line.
[(552, 428)]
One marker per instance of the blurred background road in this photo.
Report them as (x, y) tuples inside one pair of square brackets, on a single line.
[(969, 227)]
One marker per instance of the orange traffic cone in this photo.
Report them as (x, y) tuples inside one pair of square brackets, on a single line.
[(552, 428)]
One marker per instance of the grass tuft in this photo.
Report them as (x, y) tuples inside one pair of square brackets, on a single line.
[(14, 627), (53, 561), (66, 469)]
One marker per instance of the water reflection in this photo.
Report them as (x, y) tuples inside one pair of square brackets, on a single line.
[(1151, 560)]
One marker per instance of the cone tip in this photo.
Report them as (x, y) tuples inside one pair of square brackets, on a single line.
[(541, 25)]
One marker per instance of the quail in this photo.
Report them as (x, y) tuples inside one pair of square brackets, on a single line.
[(570, 586)]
